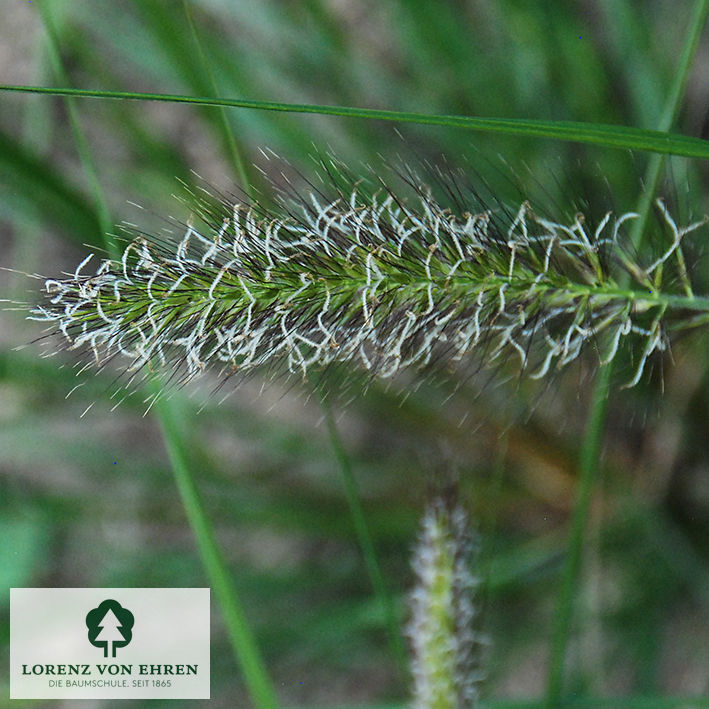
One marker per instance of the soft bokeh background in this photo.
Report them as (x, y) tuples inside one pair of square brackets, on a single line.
[(91, 501)]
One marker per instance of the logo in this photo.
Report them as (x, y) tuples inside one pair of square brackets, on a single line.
[(110, 626), (109, 643)]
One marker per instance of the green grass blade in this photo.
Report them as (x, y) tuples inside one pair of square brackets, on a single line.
[(87, 163), (352, 494), (34, 181), (590, 460), (630, 44), (366, 543), (589, 469), (177, 37), (609, 136), (227, 133), (668, 118), (240, 635)]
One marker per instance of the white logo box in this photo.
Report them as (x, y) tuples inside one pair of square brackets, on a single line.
[(139, 643)]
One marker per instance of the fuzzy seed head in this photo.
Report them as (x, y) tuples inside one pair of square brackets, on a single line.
[(369, 280), (446, 662)]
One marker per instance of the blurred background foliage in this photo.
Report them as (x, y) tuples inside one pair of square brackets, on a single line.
[(91, 501)]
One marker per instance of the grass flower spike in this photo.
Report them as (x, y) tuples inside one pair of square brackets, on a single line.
[(446, 663), (379, 282)]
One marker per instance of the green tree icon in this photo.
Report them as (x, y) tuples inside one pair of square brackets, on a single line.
[(110, 626)]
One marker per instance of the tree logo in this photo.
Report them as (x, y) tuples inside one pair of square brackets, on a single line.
[(110, 626)]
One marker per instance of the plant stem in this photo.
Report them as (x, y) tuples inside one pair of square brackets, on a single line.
[(352, 494), (227, 133), (590, 460), (82, 146), (365, 541), (240, 635), (242, 640), (669, 116), (589, 473)]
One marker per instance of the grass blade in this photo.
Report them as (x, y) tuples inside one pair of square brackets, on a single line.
[(589, 469), (590, 460), (609, 136), (240, 635), (36, 182), (87, 163), (365, 541)]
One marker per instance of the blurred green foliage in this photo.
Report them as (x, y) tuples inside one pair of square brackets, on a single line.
[(91, 502)]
